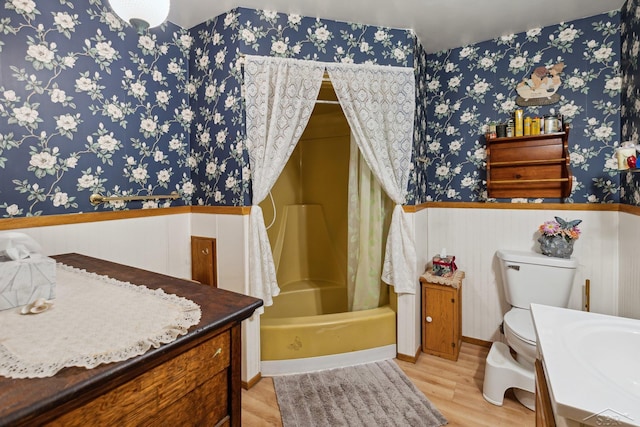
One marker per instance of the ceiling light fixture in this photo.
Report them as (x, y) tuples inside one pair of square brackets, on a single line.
[(141, 14)]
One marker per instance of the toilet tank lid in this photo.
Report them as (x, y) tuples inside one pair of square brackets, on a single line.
[(536, 258)]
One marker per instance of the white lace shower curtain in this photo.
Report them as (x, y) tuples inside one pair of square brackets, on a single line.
[(379, 104), (280, 96)]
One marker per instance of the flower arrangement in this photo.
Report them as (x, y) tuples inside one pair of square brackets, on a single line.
[(557, 237), (567, 229)]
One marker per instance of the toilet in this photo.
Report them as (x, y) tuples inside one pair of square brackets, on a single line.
[(527, 278)]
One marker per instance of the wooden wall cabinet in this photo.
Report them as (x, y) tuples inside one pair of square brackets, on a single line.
[(441, 320), (203, 260), (529, 166)]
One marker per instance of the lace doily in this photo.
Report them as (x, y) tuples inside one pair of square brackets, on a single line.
[(94, 319), (455, 280)]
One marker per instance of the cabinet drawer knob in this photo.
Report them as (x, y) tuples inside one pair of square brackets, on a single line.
[(205, 251), (429, 319), (219, 351)]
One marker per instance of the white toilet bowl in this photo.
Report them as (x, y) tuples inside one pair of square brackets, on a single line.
[(527, 278), (520, 335)]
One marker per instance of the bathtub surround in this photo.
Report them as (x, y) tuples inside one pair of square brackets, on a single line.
[(362, 395), (309, 327)]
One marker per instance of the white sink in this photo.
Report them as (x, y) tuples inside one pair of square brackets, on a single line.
[(592, 362), (609, 349)]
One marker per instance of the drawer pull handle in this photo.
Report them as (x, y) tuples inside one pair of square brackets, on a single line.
[(429, 319), (217, 352)]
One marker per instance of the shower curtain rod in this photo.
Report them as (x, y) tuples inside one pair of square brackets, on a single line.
[(325, 78)]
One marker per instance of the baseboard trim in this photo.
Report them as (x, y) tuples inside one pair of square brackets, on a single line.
[(407, 358), (476, 341), (253, 381), (271, 368)]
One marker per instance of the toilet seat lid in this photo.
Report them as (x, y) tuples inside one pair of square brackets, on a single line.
[(520, 322)]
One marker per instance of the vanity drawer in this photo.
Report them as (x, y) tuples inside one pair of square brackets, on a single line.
[(194, 383), (219, 352), (206, 405)]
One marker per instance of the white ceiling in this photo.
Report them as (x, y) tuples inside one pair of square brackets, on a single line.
[(439, 24)]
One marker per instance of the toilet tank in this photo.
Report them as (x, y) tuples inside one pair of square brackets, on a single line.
[(530, 277)]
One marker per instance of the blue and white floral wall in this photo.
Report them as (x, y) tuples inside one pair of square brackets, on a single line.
[(470, 86), (630, 112), (218, 156), (87, 105), (418, 179), (218, 160)]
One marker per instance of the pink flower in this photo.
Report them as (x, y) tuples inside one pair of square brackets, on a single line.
[(550, 228)]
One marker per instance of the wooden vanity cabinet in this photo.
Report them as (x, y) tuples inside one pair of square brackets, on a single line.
[(533, 166), (441, 320), (192, 381), (544, 411)]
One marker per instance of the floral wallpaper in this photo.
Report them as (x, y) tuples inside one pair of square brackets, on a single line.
[(470, 86), (418, 180), (218, 157), (87, 105), (630, 112)]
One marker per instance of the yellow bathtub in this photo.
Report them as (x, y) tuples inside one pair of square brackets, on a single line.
[(309, 319)]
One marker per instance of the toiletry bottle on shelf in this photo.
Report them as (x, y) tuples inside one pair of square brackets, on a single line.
[(535, 126), (518, 118), (527, 126)]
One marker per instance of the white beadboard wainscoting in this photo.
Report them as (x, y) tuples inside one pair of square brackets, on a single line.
[(155, 243), (474, 235), (629, 266), (607, 253)]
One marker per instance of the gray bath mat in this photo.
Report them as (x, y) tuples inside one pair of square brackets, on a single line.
[(373, 394)]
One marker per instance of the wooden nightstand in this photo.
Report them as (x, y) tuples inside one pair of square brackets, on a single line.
[(442, 314)]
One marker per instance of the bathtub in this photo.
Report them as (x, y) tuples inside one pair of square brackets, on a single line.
[(308, 326)]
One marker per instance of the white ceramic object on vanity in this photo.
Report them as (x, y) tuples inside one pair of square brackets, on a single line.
[(592, 365)]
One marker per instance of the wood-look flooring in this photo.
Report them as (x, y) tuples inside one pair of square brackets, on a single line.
[(455, 388)]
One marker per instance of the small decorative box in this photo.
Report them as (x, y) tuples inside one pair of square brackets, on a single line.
[(444, 266), (25, 280)]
